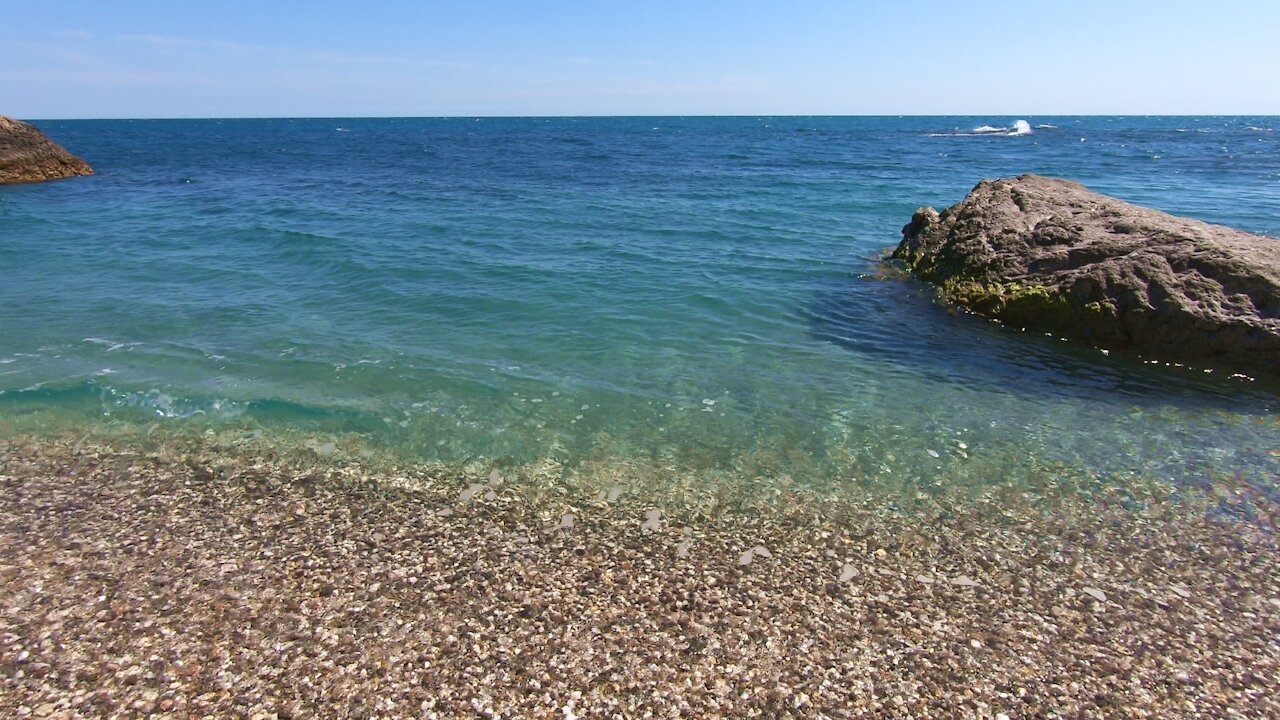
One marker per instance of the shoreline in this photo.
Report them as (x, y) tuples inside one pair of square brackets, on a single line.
[(192, 578)]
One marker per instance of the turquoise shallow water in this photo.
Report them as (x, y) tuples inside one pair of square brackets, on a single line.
[(702, 293)]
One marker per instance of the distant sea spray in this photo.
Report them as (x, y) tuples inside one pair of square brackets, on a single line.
[(1016, 129)]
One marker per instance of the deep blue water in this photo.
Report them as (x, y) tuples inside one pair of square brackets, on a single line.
[(686, 293)]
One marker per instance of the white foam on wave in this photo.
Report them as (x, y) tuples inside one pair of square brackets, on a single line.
[(162, 405), (1017, 129), (1255, 128), (1046, 127), (111, 345)]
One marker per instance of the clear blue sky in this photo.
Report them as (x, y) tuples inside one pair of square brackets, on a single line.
[(134, 58)]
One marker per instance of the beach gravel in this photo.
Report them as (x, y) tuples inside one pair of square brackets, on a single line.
[(189, 584)]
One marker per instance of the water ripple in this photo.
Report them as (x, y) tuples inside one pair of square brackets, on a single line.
[(303, 275)]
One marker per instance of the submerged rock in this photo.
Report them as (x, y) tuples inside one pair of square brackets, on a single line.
[(26, 155), (1052, 256)]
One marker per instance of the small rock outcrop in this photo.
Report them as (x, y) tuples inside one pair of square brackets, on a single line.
[(26, 155), (1052, 256)]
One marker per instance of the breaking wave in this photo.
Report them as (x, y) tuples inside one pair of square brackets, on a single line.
[(1018, 128)]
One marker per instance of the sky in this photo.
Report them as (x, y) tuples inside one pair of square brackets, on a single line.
[(280, 58)]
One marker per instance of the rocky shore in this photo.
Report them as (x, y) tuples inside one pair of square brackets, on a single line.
[(191, 581), (27, 156), (1051, 256)]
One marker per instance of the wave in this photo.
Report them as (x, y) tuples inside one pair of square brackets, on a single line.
[(1017, 129), (1255, 128), (160, 404), (111, 345), (96, 395)]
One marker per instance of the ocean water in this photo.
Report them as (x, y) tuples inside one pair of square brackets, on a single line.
[(691, 295)]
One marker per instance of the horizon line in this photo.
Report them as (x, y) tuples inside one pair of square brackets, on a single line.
[(656, 115)]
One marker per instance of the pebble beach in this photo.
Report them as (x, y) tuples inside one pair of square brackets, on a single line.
[(192, 579)]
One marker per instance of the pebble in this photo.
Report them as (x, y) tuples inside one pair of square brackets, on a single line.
[(1095, 593), (652, 520), (471, 491), (407, 604)]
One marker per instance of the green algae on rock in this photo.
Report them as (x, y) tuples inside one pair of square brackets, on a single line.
[(1017, 303), (1052, 256)]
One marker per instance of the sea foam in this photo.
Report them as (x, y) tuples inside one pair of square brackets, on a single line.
[(1018, 128)]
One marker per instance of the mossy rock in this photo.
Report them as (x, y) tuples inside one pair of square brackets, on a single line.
[(1050, 255)]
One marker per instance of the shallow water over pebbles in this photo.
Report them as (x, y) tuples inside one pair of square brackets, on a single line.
[(675, 300)]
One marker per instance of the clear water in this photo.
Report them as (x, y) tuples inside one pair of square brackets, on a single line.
[(693, 293)]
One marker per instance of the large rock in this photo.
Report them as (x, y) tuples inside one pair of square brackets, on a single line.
[(26, 155), (1050, 255)]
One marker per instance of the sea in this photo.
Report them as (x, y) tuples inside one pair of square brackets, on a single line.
[(697, 297)]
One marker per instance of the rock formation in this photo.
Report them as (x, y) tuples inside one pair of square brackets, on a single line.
[(1052, 256), (26, 155)]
